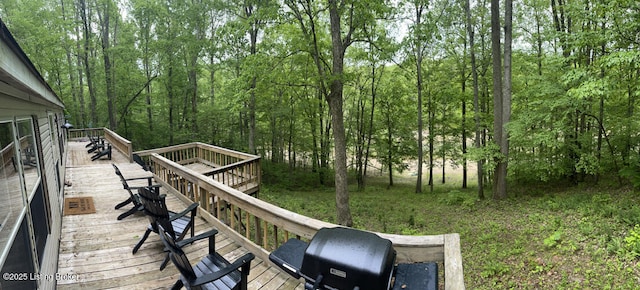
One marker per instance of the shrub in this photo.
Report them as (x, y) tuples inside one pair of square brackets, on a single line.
[(632, 242), (554, 239)]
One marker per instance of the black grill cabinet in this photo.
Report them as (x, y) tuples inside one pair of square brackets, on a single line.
[(348, 258)]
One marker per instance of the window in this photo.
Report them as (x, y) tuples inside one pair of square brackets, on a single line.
[(28, 154), (19, 262), (11, 197), (41, 221)]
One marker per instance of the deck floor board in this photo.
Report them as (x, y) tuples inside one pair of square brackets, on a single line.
[(95, 249)]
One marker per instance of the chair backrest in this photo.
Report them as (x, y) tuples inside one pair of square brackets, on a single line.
[(155, 207), (117, 170), (178, 256), (125, 185), (138, 159)]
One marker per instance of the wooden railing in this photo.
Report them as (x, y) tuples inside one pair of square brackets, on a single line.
[(117, 142), (83, 133), (260, 227), (238, 170)]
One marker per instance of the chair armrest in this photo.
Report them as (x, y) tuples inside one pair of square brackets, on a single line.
[(148, 178), (192, 208), (136, 178), (209, 234), (146, 186), (241, 262)]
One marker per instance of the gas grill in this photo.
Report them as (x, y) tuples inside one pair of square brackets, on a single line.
[(345, 258)]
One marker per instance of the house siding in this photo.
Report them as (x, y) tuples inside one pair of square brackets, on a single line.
[(35, 224)]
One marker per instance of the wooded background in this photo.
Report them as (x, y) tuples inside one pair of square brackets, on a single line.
[(293, 79)]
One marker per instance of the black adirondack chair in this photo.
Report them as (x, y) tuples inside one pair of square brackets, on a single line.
[(133, 197), (212, 272), (105, 151), (95, 143), (155, 207)]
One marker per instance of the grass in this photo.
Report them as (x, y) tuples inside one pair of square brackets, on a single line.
[(545, 238)]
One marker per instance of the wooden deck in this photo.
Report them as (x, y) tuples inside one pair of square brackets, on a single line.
[(95, 249)]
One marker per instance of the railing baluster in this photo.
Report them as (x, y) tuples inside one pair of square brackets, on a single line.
[(257, 232), (275, 237), (233, 215), (247, 230), (264, 235)]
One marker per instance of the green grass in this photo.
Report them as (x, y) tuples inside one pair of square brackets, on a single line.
[(545, 238)]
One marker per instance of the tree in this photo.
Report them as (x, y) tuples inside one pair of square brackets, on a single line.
[(104, 14), (395, 141), (418, 51), (145, 17), (86, 52), (370, 70), (340, 44), (476, 101), (501, 94), (254, 16)]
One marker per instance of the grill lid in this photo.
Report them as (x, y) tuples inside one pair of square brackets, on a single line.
[(345, 258)]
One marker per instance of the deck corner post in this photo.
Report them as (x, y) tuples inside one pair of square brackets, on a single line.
[(453, 272)]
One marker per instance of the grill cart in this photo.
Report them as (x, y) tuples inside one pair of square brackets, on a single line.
[(346, 259)]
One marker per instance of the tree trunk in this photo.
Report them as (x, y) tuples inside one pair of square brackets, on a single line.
[(371, 112), (87, 66), (253, 49), (337, 120), (171, 101), (476, 103), (499, 178), (212, 98), (193, 92), (464, 124), (105, 19), (419, 55), (147, 70), (70, 71), (361, 104), (389, 149), (503, 108), (430, 118), (325, 142), (79, 64)]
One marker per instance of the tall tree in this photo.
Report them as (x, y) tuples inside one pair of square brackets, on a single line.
[(104, 15), (306, 14), (86, 60), (367, 84), (145, 17), (340, 44), (501, 94), (476, 101), (419, 46)]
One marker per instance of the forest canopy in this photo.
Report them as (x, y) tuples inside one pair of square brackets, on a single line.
[(260, 75)]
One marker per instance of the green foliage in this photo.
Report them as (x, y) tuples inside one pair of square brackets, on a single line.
[(632, 242), (632, 174), (458, 198), (282, 176), (495, 269), (554, 240)]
